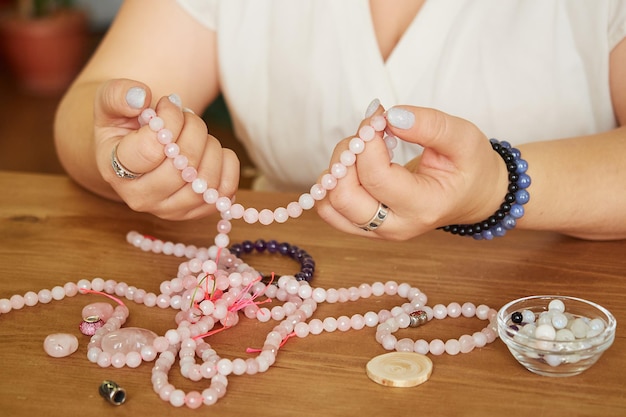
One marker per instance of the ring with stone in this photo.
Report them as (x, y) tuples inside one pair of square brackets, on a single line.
[(119, 169)]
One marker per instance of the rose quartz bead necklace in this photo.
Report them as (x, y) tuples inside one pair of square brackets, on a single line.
[(212, 287), (233, 211)]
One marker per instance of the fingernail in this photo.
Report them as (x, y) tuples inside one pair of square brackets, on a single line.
[(373, 106), (400, 118), (174, 98), (188, 110), (136, 97)]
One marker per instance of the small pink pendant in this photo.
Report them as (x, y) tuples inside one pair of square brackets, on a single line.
[(126, 340), (103, 310), (59, 345)]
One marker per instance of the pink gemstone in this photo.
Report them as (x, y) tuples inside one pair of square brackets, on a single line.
[(452, 347), (59, 345), (17, 302), (171, 150), (281, 215), (147, 115), (102, 310), (405, 345), (317, 191), (367, 133), (421, 346), (339, 170), (189, 174), (467, 343), (356, 145), (128, 339), (294, 210), (437, 347), (343, 323), (468, 310), (193, 399), (31, 298), (347, 158), (440, 311), (328, 181), (251, 215), (156, 123), (306, 201), (378, 123), (164, 136), (454, 310), (236, 211), (180, 162)]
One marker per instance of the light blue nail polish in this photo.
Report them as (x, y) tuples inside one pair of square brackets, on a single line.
[(174, 98), (373, 106), (400, 118), (136, 97)]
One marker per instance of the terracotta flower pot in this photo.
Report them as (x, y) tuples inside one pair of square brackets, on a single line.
[(45, 54)]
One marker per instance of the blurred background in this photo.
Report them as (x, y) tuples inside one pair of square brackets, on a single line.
[(43, 43)]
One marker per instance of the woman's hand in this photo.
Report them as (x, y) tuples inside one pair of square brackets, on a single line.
[(457, 179), (159, 189)]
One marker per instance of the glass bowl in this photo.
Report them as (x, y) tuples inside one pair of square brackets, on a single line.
[(551, 342)]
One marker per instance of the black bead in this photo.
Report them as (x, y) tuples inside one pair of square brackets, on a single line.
[(517, 317)]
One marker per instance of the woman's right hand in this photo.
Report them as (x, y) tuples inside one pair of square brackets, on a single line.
[(160, 189)]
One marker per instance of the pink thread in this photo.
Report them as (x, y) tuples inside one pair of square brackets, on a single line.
[(117, 300), (211, 333), (282, 343), (241, 303)]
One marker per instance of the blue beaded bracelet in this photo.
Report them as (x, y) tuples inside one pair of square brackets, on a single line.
[(512, 209)]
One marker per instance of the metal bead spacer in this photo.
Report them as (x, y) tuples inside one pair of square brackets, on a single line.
[(112, 392), (418, 318)]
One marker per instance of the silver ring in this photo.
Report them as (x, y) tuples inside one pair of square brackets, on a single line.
[(376, 220), (119, 169)]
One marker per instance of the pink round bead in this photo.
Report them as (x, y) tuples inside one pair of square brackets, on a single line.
[(356, 145), (189, 174), (193, 399), (165, 136), (281, 215), (367, 133), (180, 162), (294, 209), (347, 158), (266, 217), (437, 347), (378, 123), (156, 123), (171, 150), (454, 310), (452, 346), (251, 215), (468, 310), (338, 170)]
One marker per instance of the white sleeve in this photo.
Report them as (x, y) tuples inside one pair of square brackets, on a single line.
[(204, 11), (617, 22)]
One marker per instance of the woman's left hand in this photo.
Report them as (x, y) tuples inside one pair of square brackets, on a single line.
[(457, 179)]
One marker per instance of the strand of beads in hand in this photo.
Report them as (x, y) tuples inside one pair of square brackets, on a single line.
[(235, 211)]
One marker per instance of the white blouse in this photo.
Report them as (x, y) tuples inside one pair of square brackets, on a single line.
[(297, 76)]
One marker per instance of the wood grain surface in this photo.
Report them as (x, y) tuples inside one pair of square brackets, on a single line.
[(52, 232)]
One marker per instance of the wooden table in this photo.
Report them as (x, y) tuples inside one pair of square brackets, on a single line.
[(53, 232)]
